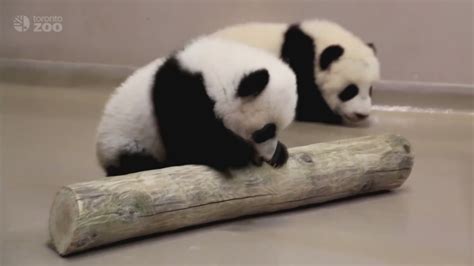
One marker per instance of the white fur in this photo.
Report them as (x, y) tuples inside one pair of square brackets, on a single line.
[(128, 122), (266, 36), (357, 65)]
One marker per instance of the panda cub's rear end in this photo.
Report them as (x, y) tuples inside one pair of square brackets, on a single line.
[(216, 102)]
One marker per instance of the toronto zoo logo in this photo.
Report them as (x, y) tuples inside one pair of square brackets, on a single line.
[(21, 23), (40, 23)]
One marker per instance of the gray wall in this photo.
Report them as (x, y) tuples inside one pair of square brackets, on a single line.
[(417, 40)]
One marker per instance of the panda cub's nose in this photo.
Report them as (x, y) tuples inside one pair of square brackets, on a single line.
[(361, 116)]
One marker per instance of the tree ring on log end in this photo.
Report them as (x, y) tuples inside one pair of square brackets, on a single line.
[(62, 220)]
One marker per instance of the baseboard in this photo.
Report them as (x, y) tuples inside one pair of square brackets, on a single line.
[(426, 87), (386, 92), (36, 72)]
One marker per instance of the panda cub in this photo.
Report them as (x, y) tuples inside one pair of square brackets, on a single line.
[(216, 102), (335, 69)]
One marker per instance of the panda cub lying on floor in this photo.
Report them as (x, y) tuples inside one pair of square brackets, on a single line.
[(335, 69), (216, 102)]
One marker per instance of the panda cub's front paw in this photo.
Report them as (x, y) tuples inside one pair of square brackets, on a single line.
[(280, 157)]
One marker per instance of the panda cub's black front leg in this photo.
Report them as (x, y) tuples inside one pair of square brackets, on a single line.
[(257, 160), (280, 157)]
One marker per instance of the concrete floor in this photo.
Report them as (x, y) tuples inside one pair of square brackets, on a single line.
[(47, 140)]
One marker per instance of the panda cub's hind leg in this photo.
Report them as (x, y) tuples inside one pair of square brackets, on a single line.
[(133, 162)]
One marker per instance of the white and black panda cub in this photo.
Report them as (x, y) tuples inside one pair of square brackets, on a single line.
[(335, 69), (216, 102)]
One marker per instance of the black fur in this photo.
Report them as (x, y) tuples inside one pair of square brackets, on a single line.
[(265, 133), (130, 163), (190, 130), (329, 55), (349, 92), (253, 83), (372, 46), (298, 50), (280, 157)]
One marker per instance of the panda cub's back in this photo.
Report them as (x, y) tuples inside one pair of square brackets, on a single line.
[(128, 122), (266, 36)]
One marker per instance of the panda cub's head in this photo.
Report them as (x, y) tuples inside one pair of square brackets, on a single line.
[(260, 110), (346, 69), (254, 92), (346, 83)]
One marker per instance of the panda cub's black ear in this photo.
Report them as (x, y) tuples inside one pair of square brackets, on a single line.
[(372, 46), (329, 55), (253, 83)]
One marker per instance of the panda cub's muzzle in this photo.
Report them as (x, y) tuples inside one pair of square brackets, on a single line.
[(268, 148), (272, 152)]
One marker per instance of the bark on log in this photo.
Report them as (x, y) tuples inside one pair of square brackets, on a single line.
[(107, 210)]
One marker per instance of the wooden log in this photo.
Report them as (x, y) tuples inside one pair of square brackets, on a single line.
[(107, 210)]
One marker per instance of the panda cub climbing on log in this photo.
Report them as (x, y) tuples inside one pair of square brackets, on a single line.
[(216, 102), (335, 69)]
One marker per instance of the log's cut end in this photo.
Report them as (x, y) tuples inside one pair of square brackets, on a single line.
[(62, 220), (401, 155)]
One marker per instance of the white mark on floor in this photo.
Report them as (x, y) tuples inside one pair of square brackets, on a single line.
[(402, 108)]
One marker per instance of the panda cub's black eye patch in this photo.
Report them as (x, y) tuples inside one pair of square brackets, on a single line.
[(265, 133), (348, 93)]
